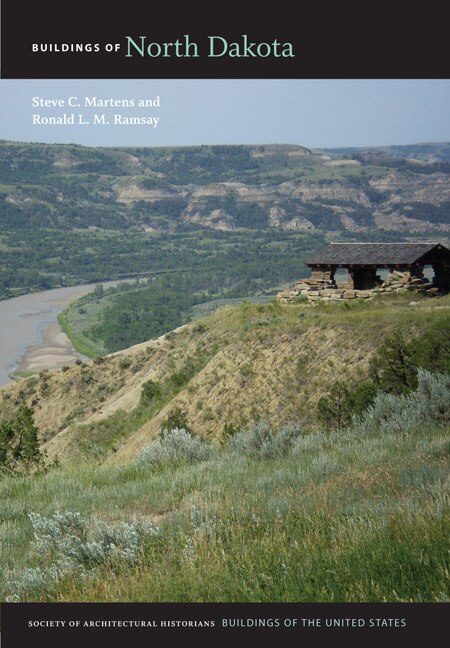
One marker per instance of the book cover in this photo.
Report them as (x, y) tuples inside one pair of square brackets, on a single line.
[(224, 329)]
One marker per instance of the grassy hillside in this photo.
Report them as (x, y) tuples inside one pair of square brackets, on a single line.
[(261, 452), (257, 498), (288, 515), (103, 213), (238, 365)]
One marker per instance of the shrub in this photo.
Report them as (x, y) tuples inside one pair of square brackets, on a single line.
[(229, 430), (150, 389), (261, 440), (395, 369), (313, 443), (430, 403), (433, 396), (392, 368), (431, 350), (71, 536), (362, 396), (396, 365), (300, 299), (69, 545), (175, 447), (179, 378), (389, 413), (176, 418), (124, 363)]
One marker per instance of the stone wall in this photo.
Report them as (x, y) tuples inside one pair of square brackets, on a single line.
[(320, 287), (409, 279)]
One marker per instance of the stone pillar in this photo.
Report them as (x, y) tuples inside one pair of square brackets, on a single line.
[(323, 273), (350, 279)]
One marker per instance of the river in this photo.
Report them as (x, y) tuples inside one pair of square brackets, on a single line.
[(30, 336)]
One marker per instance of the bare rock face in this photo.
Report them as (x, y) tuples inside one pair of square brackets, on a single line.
[(279, 218), (311, 192), (217, 219), (411, 188), (292, 204)]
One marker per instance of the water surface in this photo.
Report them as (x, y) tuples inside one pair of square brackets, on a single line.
[(31, 321)]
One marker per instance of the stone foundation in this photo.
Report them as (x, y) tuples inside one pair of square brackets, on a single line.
[(321, 287)]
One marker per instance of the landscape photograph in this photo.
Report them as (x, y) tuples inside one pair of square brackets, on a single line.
[(225, 341)]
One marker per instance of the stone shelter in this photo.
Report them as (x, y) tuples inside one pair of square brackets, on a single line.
[(404, 261)]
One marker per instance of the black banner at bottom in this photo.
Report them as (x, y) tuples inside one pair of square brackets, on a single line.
[(292, 624)]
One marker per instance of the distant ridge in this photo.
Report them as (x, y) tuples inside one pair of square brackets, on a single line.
[(426, 151)]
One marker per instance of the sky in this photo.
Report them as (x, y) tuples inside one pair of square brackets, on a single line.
[(312, 113)]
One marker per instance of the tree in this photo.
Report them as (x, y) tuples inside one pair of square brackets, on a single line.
[(334, 410), (392, 369), (19, 441), (27, 432), (6, 434)]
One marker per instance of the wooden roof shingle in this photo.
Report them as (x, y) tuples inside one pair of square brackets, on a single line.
[(373, 253)]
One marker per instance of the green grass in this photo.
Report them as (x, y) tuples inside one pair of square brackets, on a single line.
[(21, 373), (356, 322), (78, 340), (347, 517), (356, 515), (366, 319), (206, 308)]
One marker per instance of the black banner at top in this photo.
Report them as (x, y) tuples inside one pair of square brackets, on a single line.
[(97, 39)]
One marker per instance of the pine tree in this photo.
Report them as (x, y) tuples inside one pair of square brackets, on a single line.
[(27, 434), (334, 410), (6, 435), (19, 441)]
